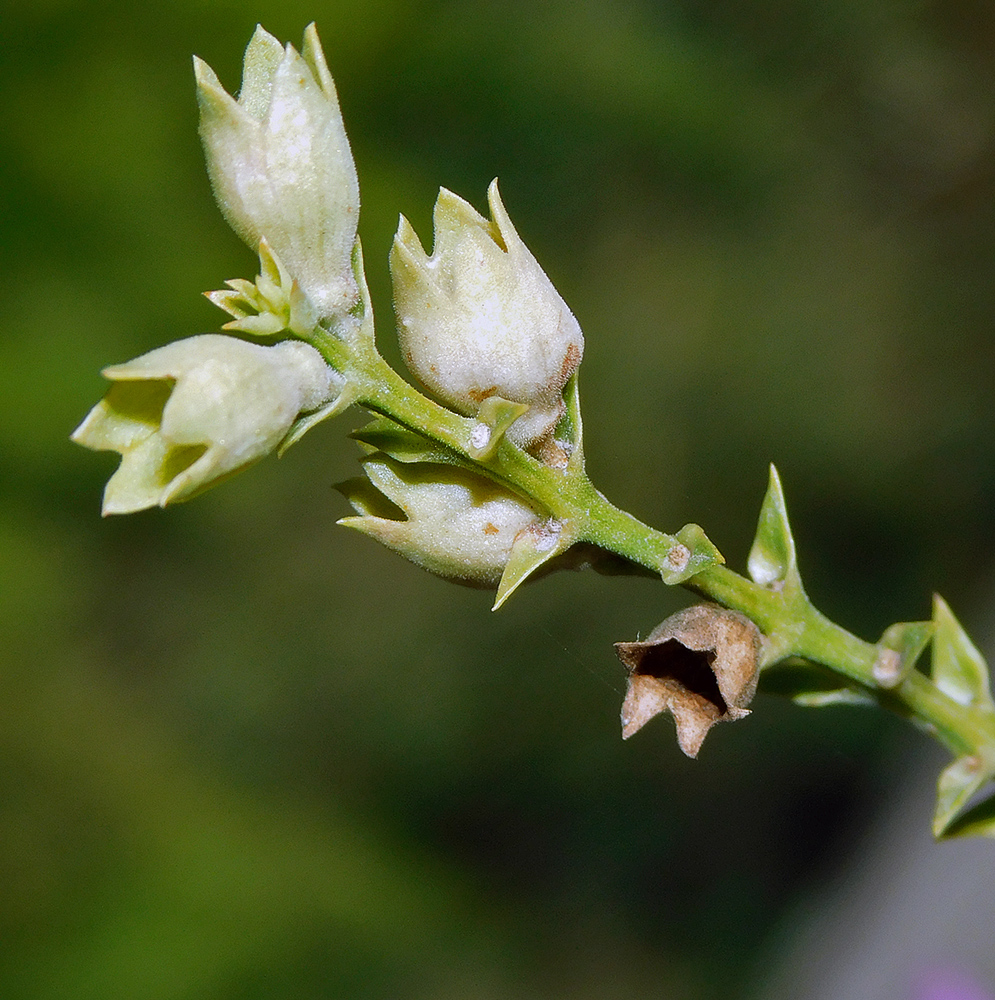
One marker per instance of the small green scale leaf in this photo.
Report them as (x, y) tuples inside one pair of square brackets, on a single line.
[(841, 696), (978, 821), (959, 670), (403, 445), (494, 417), (306, 421), (691, 553), (899, 648), (570, 429), (811, 685), (957, 784), (532, 549), (772, 559)]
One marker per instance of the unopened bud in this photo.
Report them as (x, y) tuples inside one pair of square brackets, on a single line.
[(459, 525), (281, 167), (479, 318), (700, 665)]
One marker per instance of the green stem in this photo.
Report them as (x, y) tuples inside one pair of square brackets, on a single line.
[(792, 625)]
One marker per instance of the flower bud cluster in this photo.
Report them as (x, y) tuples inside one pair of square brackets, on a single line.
[(479, 318), (190, 414), (481, 326)]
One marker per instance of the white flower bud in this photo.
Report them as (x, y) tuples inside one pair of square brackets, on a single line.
[(480, 318), (281, 167), (191, 413), (459, 525)]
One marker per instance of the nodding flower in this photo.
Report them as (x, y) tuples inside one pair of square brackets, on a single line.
[(190, 414)]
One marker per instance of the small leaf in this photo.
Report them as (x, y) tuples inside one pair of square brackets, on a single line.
[(957, 784), (306, 421), (811, 685), (898, 649), (959, 670), (570, 429), (772, 558), (533, 547), (494, 417), (360, 334), (403, 445), (978, 821), (841, 696), (691, 553)]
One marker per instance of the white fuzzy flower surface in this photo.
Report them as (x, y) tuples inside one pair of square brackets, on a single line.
[(188, 415), (480, 318), (281, 167)]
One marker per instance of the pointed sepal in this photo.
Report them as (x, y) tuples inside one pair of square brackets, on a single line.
[(959, 670), (957, 784), (772, 561), (533, 548)]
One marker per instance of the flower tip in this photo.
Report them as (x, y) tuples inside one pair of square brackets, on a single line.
[(406, 237), (502, 221), (262, 38), (408, 261), (451, 214), (207, 80), (314, 56), (494, 202)]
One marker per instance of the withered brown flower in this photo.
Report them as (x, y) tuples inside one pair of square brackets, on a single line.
[(701, 665)]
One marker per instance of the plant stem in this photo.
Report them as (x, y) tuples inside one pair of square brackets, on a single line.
[(785, 616)]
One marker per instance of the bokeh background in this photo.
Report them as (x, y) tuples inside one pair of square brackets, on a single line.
[(246, 755)]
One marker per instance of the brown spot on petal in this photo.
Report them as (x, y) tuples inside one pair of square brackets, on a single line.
[(490, 529), (570, 363), (700, 665), (479, 395)]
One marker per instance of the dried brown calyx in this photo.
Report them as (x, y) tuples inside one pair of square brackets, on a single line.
[(700, 665)]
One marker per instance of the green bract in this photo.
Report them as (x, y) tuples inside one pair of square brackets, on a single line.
[(479, 318), (281, 167), (190, 414)]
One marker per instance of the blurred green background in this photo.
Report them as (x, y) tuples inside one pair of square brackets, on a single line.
[(245, 755)]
